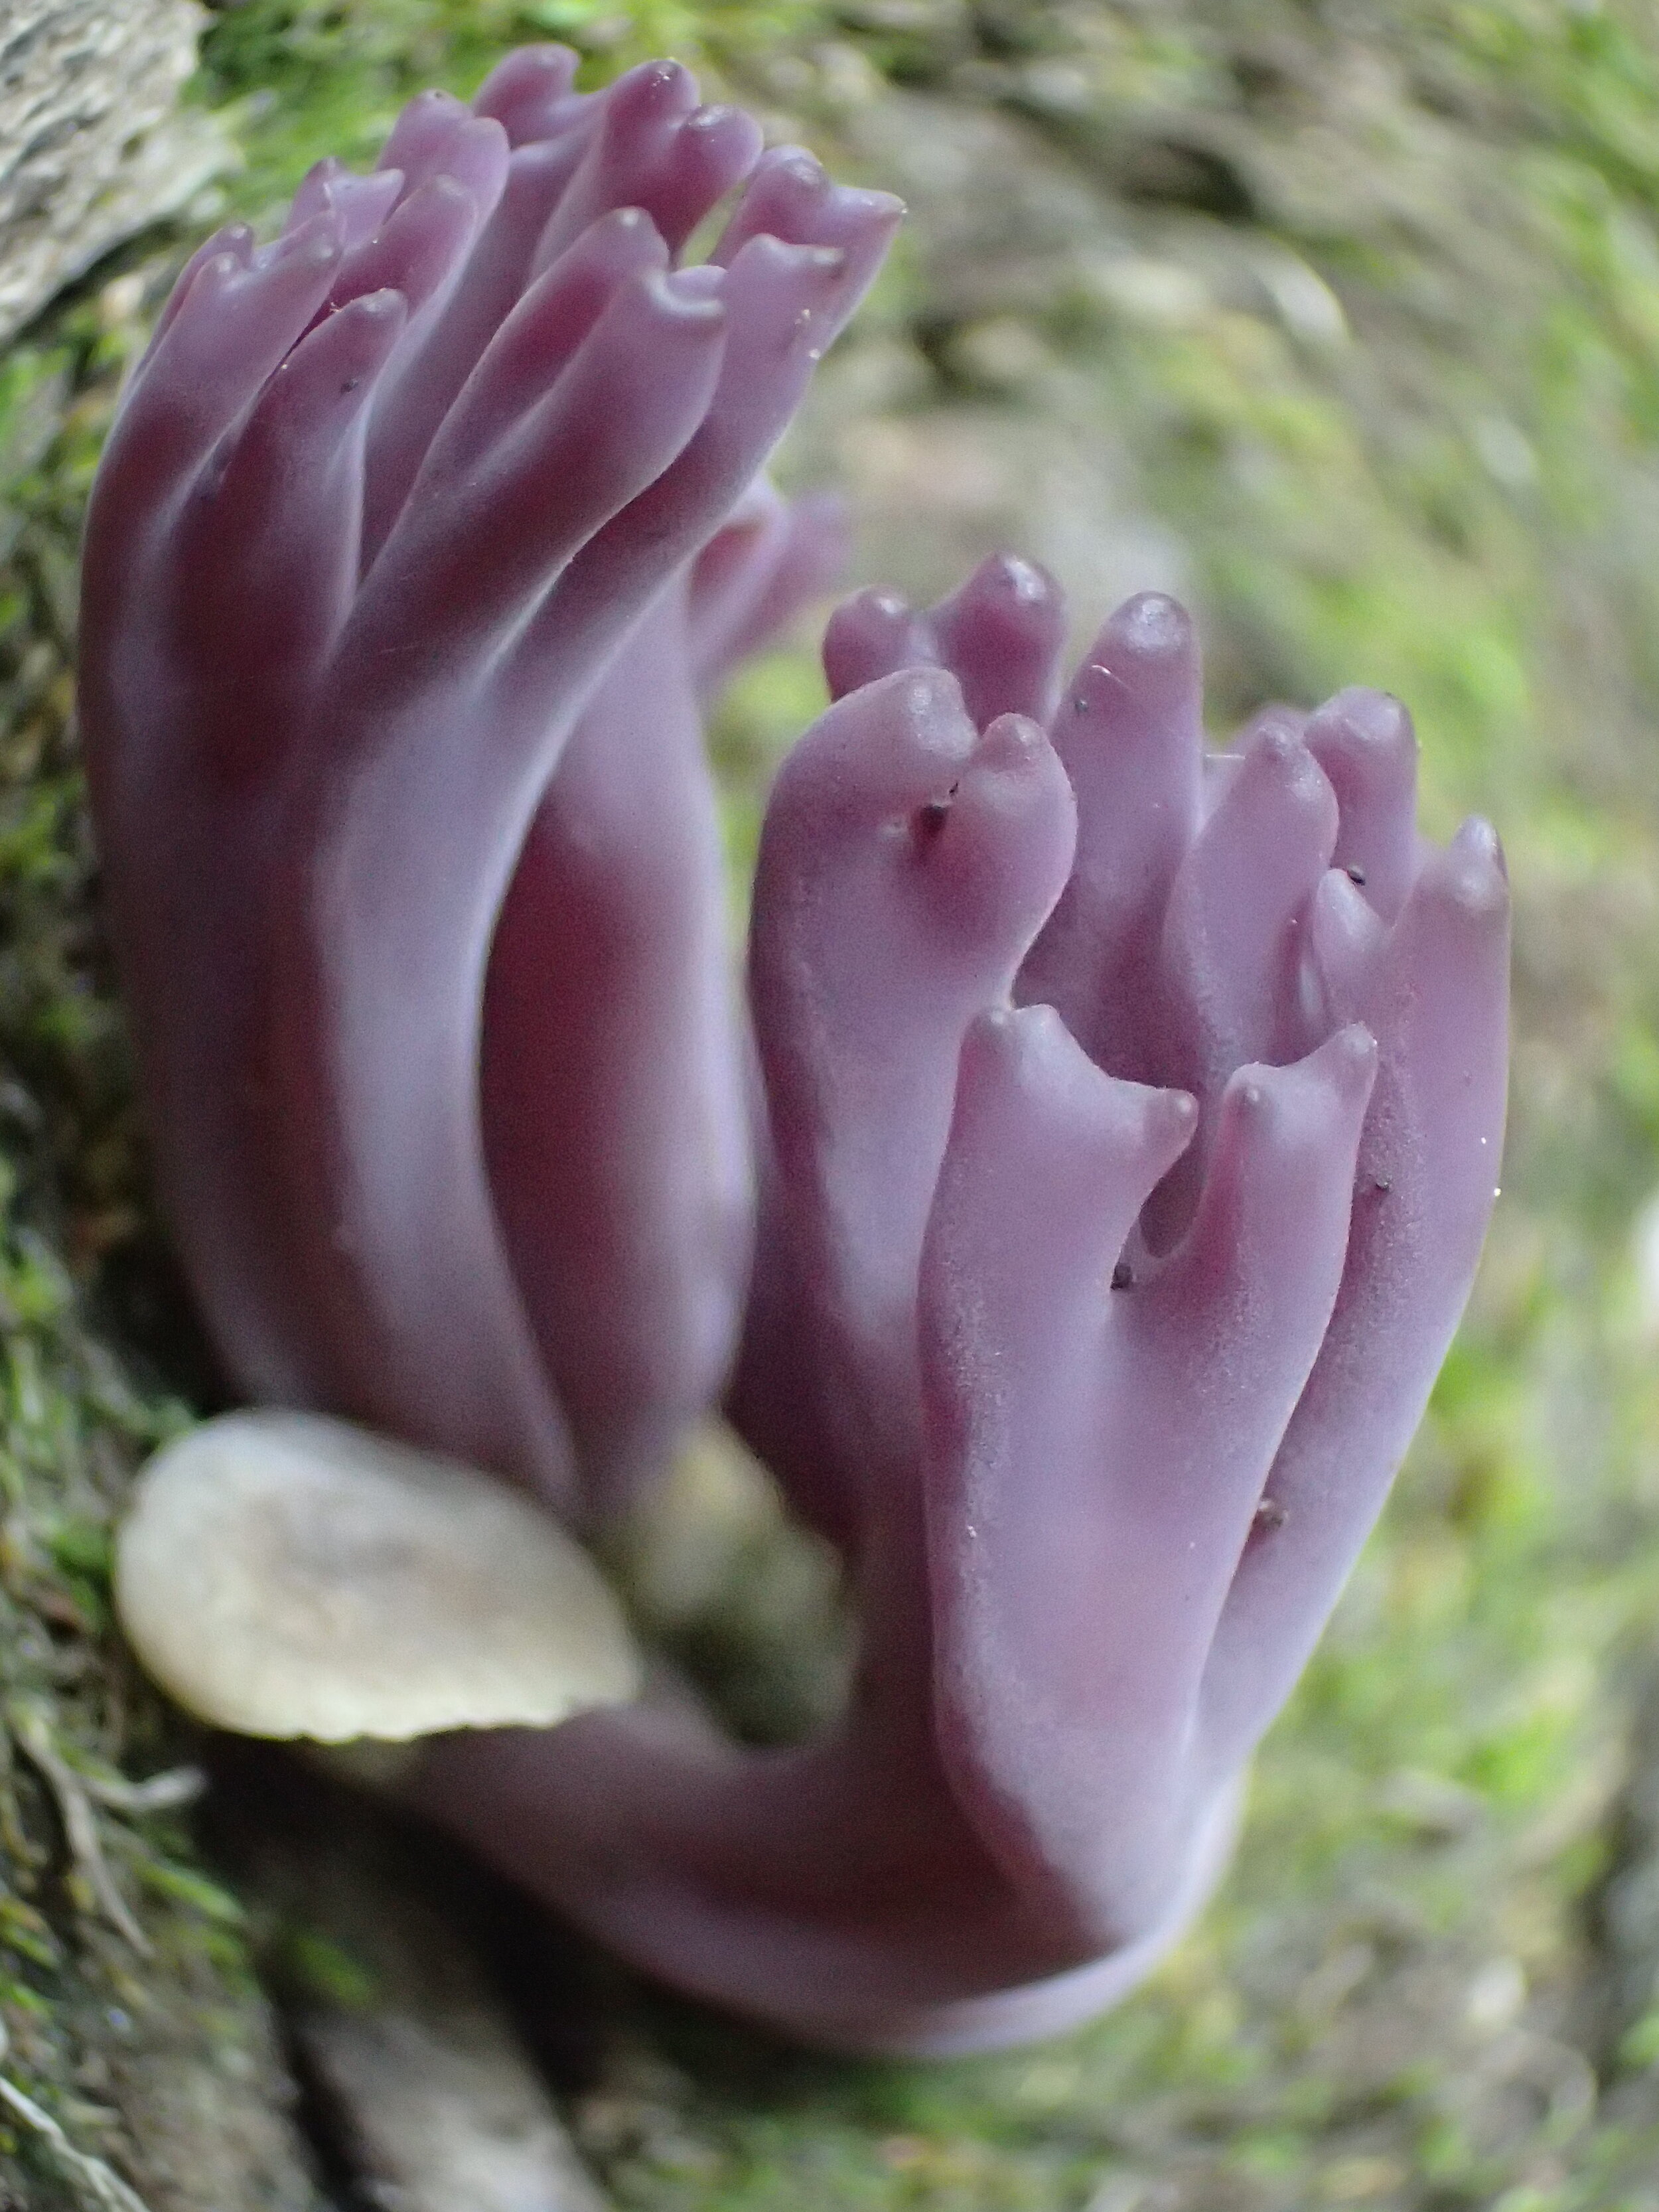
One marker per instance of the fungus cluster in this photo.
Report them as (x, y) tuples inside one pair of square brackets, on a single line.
[(1073, 1216)]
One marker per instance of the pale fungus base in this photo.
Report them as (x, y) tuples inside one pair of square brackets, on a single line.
[(282, 1574)]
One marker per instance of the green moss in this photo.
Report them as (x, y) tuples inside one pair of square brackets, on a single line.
[(306, 78)]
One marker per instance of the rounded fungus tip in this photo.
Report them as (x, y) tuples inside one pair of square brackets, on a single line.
[(285, 1574)]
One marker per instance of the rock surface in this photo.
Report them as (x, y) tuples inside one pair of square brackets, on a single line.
[(91, 145)]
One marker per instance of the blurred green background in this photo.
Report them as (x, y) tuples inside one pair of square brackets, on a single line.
[(1341, 319)]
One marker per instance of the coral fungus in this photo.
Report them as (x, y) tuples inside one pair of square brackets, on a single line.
[(1127, 1115)]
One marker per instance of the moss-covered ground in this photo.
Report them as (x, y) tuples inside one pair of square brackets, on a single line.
[(1345, 318)]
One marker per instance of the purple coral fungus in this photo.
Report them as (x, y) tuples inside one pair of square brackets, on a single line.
[(1129, 1114)]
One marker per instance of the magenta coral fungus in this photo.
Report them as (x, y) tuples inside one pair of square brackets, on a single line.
[(1127, 1115)]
